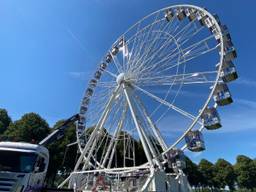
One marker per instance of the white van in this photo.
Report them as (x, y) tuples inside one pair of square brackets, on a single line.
[(23, 167)]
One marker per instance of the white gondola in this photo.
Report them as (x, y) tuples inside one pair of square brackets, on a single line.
[(190, 13), (208, 22), (225, 34), (86, 101), (221, 95), (103, 66), (89, 92), (177, 158), (168, 15), (213, 29), (82, 141), (230, 53), (80, 127), (228, 44), (217, 18), (83, 109), (108, 58), (228, 72), (121, 42), (93, 83), (114, 50), (211, 119), (201, 16), (195, 141), (180, 13), (81, 119), (97, 75), (79, 133)]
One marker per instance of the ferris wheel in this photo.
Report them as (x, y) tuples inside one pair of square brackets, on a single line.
[(156, 89)]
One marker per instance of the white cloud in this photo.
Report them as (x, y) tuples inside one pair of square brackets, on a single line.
[(79, 75), (247, 103), (77, 40), (246, 82)]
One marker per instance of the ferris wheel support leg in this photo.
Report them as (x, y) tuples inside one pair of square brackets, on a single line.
[(145, 141), (153, 126), (151, 149), (92, 142), (148, 155)]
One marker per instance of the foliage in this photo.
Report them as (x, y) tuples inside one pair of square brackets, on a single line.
[(5, 120), (224, 174), (192, 172), (206, 169), (30, 128), (245, 170), (62, 158)]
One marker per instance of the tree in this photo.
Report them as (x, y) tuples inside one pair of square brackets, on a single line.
[(192, 172), (245, 170), (224, 174), (30, 128), (62, 159), (206, 169), (5, 120)]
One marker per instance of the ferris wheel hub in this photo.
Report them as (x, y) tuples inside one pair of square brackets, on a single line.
[(120, 78)]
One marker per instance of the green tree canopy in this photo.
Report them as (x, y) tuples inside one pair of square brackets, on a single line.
[(192, 172), (245, 170), (224, 174), (206, 169), (5, 120), (30, 128)]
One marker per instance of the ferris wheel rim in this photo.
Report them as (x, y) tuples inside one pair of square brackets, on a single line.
[(218, 72)]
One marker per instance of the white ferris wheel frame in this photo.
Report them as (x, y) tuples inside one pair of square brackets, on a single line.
[(90, 144)]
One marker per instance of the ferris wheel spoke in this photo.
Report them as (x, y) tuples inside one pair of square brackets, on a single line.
[(152, 43), (162, 27), (184, 30), (125, 53), (90, 145), (166, 103), (171, 37), (184, 61), (189, 54), (112, 145), (185, 79), (106, 84), (186, 37), (167, 78), (153, 48), (116, 63), (134, 42), (145, 35), (110, 73), (112, 124)]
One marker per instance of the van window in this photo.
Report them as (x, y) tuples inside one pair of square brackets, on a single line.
[(15, 161)]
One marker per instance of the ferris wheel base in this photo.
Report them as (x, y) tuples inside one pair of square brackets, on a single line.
[(156, 181), (168, 183)]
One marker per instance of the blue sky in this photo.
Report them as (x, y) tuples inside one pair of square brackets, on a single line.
[(49, 49)]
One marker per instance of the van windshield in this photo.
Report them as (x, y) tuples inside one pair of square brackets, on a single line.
[(14, 161)]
